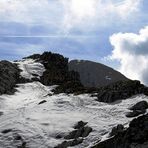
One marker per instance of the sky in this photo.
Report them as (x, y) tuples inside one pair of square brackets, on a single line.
[(112, 32)]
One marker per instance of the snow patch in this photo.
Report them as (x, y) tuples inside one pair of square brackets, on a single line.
[(108, 78), (30, 68)]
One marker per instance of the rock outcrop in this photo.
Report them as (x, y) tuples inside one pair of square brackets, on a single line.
[(120, 90), (57, 73), (137, 109), (94, 74), (9, 76), (135, 136), (76, 136)]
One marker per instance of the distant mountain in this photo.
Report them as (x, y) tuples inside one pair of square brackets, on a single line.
[(94, 74)]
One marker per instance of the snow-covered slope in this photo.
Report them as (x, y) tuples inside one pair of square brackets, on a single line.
[(30, 68), (38, 125)]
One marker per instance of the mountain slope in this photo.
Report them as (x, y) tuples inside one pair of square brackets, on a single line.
[(36, 117), (24, 121), (94, 74)]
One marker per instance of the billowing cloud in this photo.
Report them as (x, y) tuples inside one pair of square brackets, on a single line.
[(67, 14), (102, 12), (132, 52)]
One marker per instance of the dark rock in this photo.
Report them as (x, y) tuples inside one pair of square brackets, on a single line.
[(18, 137), (120, 90), (69, 87), (142, 105), (23, 145), (6, 131), (44, 101), (59, 136), (137, 109), (135, 134), (57, 73), (94, 74), (66, 144), (22, 80), (86, 131), (1, 113), (72, 135), (82, 132), (119, 128), (135, 113), (56, 68), (9, 76), (80, 124)]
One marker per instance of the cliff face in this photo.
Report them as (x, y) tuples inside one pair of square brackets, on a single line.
[(9, 75), (94, 74)]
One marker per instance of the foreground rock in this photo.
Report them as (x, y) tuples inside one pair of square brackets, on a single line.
[(76, 136), (136, 136), (9, 76), (135, 113), (121, 90), (66, 144), (138, 109), (142, 105)]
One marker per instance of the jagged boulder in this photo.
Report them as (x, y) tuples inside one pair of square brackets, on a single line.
[(57, 73), (116, 130), (138, 109), (120, 90), (70, 143), (142, 105), (9, 76), (76, 136), (135, 136), (56, 68)]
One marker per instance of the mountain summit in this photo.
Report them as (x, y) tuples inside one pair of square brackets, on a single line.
[(94, 74)]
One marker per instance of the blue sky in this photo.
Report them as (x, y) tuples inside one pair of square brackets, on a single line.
[(78, 29)]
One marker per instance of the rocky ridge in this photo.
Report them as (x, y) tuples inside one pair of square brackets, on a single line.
[(135, 136), (94, 74), (9, 77)]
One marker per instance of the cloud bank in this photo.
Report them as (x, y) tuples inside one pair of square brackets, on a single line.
[(68, 14), (132, 52)]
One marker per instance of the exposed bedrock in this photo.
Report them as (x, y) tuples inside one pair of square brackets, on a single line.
[(135, 136), (121, 90), (9, 76)]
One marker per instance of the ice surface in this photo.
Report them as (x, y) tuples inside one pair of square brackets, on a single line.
[(39, 124), (30, 68)]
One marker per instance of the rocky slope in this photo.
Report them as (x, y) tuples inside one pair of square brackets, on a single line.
[(42, 114), (57, 73), (9, 76), (120, 90), (135, 136), (94, 74)]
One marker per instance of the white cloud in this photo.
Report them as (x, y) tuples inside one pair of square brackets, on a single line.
[(68, 13), (102, 12), (132, 52)]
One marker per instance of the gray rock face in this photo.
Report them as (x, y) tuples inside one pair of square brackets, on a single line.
[(137, 109), (9, 75), (94, 74), (142, 105), (120, 90), (135, 136), (76, 136)]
